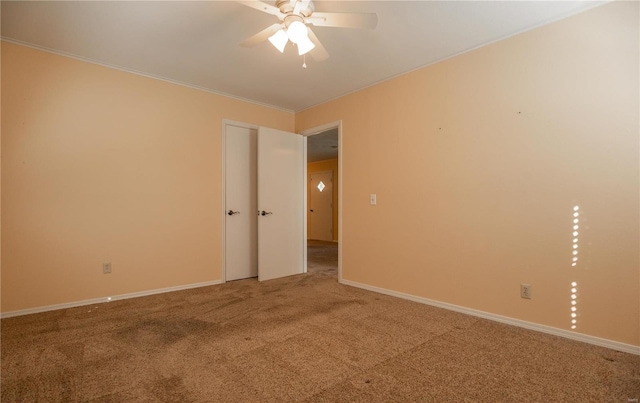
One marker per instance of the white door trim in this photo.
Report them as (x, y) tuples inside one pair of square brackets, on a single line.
[(310, 132), (305, 246)]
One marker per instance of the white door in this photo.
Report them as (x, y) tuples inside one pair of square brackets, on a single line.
[(241, 200), (321, 206), (281, 189)]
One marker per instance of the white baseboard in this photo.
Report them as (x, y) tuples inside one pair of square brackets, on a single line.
[(106, 299), (614, 345)]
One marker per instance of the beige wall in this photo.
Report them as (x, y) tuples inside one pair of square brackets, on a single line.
[(477, 162), (102, 165), (327, 165)]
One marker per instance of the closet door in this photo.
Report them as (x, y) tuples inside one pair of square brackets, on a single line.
[(241, 203), (280, 204)]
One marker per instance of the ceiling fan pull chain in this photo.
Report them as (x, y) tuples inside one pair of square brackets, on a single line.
[(304, 61)]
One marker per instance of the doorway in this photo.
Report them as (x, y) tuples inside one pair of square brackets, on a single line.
[(323, 234)]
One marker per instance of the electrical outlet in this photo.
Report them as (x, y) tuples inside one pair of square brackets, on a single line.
[(106, 268), (525, 291)]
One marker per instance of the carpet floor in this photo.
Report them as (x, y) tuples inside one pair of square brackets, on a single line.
[(303, 338)]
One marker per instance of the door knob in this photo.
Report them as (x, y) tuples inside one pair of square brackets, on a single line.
[(231, 212), (265, 212)]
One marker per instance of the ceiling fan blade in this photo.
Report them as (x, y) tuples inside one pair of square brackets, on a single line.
[(319, 53), (344, 20), (264, 7), (261, 36)]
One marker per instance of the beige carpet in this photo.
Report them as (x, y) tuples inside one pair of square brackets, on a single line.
[(304, 338)]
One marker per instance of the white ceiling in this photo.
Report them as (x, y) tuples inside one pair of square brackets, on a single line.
[(196, 43), (322, 146)]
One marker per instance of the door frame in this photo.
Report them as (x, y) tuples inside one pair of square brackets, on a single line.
[(310, 132)]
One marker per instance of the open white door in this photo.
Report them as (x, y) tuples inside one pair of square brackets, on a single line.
[(280, 204)]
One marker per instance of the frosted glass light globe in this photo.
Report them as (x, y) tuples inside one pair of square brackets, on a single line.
[(297, 32)]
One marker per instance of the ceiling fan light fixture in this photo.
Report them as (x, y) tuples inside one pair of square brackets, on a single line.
[(297, 32), (279, 40), (305, 46)]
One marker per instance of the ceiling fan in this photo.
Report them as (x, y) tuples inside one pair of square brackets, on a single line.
[(295, 16)]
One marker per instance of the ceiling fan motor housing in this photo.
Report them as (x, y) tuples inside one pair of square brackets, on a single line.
[(288, 7), (289, 19)]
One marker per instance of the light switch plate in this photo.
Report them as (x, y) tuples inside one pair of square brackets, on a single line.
[(372, 199)]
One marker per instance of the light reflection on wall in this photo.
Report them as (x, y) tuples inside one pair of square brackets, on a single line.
[(574, 263), (576, 227), (574, 305)]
